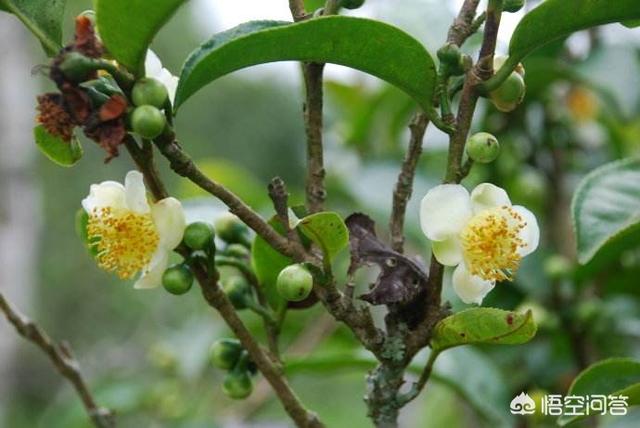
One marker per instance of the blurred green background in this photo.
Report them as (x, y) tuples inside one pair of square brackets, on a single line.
[(145, 352)]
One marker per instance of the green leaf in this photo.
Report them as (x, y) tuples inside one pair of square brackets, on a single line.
[(554, 19), (606, 206), (614, 376), (483, 325), (42, 17), (363, 44), (127, 27), (327, 230), (64, 153), (267, 264)]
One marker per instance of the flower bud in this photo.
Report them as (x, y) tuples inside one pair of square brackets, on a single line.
[(237, 251), (225, 353), (149, 91), (77, 67), (351, 4), (147, 121), (294, 283), (509, 94), (237, 290), (512, 6), (237, 385), (230, 229), (177, 279), (483, 147), (449, 54), (198, 236)]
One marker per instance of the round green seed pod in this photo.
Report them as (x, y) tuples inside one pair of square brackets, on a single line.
[(512, 6), (147, 121), (483, 147), (351, 4), (238, 291), (509, 94), (230, 229), (149, 91), (294, 283), (177, 279), (198, 236), (225, 353), (237, 251), (237, 385)]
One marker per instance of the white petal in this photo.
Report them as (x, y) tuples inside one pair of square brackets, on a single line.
[(170, 222), (444, 211), (136, 193), (447, 252), (486, 196), (152, 64), (152, 275), (531, 232), (169, 81), (105, 194), (470, 288)]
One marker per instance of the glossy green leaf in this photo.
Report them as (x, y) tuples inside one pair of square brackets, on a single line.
[(267, 264), (483, 325), (327, 230), (615, 376), (59, 151), (363, 44), (606, 206), (42, 17), (127, 27), (554, 19)]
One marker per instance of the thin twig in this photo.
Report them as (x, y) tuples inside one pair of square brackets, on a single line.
[(266, 363), (422, 380), (280, 198), (143, 158), (62, 357), (404, 185), (313, 121), (182, 164), (297, 10), (461, 27)]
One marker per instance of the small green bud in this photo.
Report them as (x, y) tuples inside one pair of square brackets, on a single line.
[(512, 6), (237, 251), (509, 94), (149, 91), (237, 290), (148, 121), (294, 283), (351, 4), (225, 353), (198, 236), (449, 54), (230, 229), (237, 385), (483, 147), (77, 67), (177, 279)]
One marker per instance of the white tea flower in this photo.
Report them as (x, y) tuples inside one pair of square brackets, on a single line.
[(131, 234), (482, 234)]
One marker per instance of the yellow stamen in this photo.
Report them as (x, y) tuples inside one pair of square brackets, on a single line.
[(125, 240), (491, 241)]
